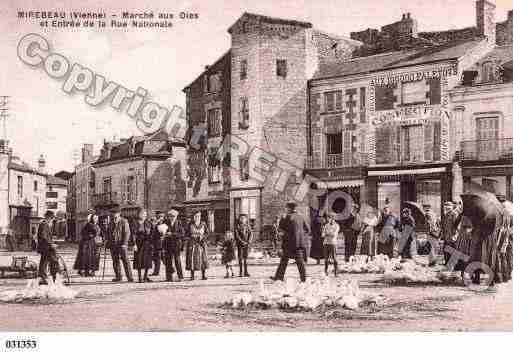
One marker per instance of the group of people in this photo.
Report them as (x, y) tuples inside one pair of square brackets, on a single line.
[(160, 239), (164, 238), (156, 240), (382, 233)]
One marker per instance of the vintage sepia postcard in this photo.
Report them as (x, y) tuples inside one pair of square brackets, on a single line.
[(270, 166)]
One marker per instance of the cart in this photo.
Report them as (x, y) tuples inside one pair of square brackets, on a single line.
[(20, 265), (26, 268)]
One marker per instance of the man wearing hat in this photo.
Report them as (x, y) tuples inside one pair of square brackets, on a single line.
[(433, 232), (449, 228), (172, 246), (295, 242), (118, 236), (47, 248), (158, 239), (386, 230)]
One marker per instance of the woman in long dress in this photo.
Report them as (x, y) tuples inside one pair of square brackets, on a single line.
[(143, 254), (368, 246), (316, 249), (88, 256), (407, 240), (196, 254)]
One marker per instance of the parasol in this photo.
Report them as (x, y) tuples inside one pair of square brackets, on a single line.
[(481, 210), (417, 212)]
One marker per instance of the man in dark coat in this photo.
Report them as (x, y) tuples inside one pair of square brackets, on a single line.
[(172, 246), (351, 228), (295, 243), (118, 236), (158, 240), (243, 237), (47, 248)]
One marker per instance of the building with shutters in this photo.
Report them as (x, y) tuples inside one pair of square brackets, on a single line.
[(208, 177), (22, 196), (385, 124), (139, 172), (483, 111)]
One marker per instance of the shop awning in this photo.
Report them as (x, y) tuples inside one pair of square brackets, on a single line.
[(406, 171), (339, 184)]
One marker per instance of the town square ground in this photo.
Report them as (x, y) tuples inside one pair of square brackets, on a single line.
[(198, 306)]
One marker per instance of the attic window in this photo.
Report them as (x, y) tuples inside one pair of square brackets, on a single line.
[(245, 27)]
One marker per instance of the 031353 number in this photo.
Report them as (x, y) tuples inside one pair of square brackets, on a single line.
[(20, 344)]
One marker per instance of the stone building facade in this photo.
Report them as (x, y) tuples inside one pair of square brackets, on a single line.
[(271, 61), (140, 172), (22, 199), (483, 113), (385, 128), (208, 177)]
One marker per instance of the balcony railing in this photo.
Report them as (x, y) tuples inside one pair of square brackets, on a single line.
[(338, 161), (105, 199), (487, 150)]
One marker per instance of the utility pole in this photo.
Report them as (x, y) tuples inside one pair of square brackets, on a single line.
[(76, 157), (4, 114)]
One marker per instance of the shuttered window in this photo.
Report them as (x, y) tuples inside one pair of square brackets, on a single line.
[(363, 100), (384, 144), (347, 147), (435, 91), (385, 97), (334, 143), (437, 141), (428, 142)]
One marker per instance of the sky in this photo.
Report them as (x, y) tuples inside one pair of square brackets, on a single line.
[(46, 120)]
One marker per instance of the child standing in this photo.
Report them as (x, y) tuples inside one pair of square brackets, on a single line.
[(228, 253), (330, 235)]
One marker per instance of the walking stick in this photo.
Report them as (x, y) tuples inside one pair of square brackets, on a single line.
[(104, 260)]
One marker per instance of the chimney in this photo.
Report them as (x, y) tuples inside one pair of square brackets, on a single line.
[(41, 163), (87, 152), (485, 19), (404, 16)]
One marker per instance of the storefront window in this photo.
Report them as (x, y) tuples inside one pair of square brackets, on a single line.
[(248, 206)]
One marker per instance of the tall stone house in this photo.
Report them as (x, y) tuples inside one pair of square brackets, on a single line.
[(254, 99)]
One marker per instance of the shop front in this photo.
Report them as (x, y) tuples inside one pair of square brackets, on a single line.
[(248, 202), (495, 178), (214, 212), (424, 184)]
